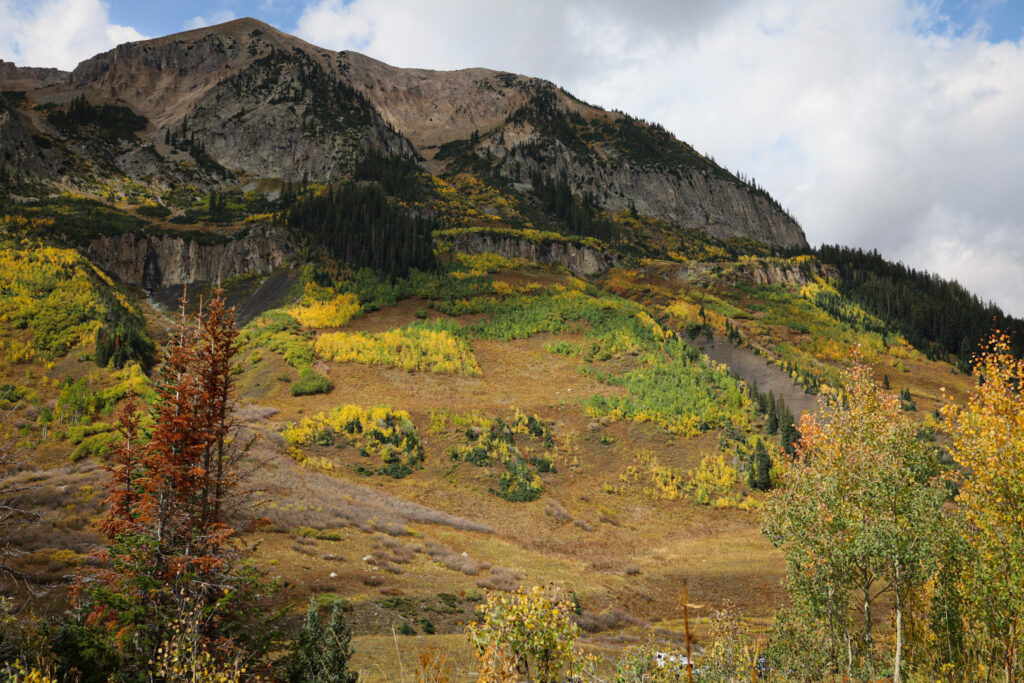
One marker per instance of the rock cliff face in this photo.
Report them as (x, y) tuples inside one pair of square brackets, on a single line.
[(18, 151), (686, 197), (26, 77), (580, 259), (758, 271), (159, 261)]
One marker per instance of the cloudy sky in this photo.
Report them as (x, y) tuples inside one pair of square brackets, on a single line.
[(888, 124)]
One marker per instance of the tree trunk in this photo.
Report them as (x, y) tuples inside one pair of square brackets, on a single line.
[(868, 650), (1011, 654), (896, 677), (849, 655)]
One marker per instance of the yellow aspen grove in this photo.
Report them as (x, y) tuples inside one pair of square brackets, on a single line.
[(857, 515), (988, 443)]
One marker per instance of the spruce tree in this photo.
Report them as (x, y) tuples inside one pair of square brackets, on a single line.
[(171, 547), (762, 468), (319, 655), (788, 433), (772, 426)]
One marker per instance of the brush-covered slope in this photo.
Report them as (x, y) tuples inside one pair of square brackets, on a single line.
[(496, 337), (244, 100)]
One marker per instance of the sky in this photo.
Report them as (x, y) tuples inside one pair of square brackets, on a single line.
[(895, 125)]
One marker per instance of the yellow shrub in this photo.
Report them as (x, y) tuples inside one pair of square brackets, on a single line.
[(481, 264), (332, 313), (388, 434), (411, 348), (714, 481)]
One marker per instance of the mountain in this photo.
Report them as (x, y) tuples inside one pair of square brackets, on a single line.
[(244, 99), (490, 337)]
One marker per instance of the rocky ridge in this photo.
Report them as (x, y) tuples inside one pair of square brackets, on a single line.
[(248, 100)]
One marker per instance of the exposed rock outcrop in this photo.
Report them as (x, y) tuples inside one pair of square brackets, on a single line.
[(159, 261), (16, 77), (18, 151), (691, 198), (757, 271), (578, 258)]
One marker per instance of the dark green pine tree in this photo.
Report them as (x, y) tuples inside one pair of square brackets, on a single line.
[(762, 468), (788, 433), (319, 655), (885, 383), (772, 426)]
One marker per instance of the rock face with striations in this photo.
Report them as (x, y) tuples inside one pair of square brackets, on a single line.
[(690, 198), (158, 261)]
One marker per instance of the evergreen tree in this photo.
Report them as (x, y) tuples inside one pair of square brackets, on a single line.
[(788, 433), (318, 655), (772, 426), (171, 548), (937, 316), (762, 468)]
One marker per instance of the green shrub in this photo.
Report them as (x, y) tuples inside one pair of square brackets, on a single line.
[(96, 447), (564, 348), (78, 433), (519, 484), (311, 382), (153, 211), (321, 655)]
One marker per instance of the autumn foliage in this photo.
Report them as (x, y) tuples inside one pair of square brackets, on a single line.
[(172, 549), (858, 517), (988, 443), (529, 634)]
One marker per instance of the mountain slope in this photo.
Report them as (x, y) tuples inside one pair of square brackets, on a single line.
[(243, 100), (491, 336)]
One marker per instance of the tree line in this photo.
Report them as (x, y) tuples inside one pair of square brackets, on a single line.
[(359, 225), (939, 317), (581, 215)]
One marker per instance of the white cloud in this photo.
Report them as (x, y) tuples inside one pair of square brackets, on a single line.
[(58, 33), (872, 121), (204, 21)]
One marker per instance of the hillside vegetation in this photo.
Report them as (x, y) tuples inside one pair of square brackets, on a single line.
[(500, 407)]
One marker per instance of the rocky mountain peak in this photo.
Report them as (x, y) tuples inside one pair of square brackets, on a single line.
[(245, 98)]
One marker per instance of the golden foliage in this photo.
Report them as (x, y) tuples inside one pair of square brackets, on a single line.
[(657, 480), (529, 633), (988, 444), (55, 293), (714, 483), (413, 348), (380, 431), (334, 312)]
